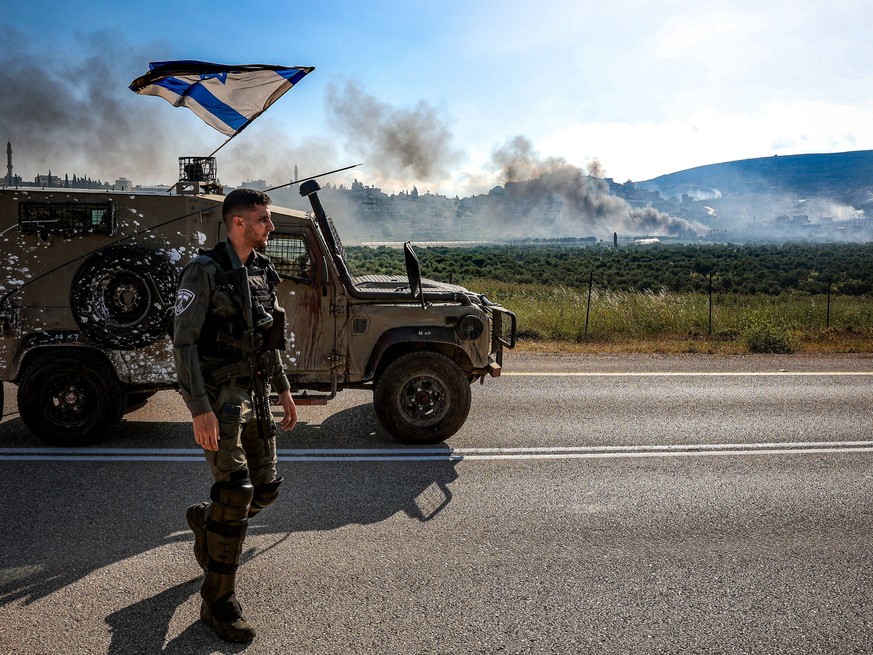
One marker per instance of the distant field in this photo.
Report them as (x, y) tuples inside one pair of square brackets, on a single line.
[(657, 299), (746, 269)]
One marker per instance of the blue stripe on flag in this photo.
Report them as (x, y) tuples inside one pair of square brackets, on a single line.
[(224, 112), (175, 85), (293, 75)]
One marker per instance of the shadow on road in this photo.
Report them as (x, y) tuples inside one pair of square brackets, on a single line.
[(65, 520), (142, 627)]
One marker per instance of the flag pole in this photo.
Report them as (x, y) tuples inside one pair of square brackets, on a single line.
[(245, 125), (226, 141), (212, 154)]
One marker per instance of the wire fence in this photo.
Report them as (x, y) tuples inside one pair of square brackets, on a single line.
[(764, 323)]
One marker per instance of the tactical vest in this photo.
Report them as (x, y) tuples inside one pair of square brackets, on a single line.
[(263, 279)]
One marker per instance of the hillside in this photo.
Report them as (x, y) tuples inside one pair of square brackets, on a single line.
[(845, 176), (812, 197)]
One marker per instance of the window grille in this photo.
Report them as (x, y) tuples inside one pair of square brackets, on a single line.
[(290, 256), (67, 218)]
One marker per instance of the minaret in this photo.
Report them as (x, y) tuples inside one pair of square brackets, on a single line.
[(296, 177), (9, 163)]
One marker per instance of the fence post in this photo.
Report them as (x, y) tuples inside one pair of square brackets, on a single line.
[(588, 308), (828, 316), (710, 304)]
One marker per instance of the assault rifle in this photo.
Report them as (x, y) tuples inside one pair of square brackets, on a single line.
[(254, 351)]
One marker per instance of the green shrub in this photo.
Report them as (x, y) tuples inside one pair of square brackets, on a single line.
[(765, 334)]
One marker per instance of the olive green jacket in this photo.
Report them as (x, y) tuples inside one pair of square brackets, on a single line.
[(197, 297)]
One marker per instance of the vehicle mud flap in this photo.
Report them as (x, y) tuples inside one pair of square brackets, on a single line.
[(122, 297)]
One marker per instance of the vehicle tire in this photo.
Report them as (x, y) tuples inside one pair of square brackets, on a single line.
[(69, 398), (422, 398), (122, 297)]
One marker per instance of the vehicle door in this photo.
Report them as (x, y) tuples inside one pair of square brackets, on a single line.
[(308, 297)]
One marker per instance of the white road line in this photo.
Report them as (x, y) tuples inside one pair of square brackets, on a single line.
[(690, 374), (443, 454)]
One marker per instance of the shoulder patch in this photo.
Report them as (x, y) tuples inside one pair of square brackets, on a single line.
[(184, 298)]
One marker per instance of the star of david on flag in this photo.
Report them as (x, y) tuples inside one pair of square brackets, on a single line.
[(226, 97)]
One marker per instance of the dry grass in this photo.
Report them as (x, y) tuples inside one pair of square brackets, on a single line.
[(556, 318), (830, 344)]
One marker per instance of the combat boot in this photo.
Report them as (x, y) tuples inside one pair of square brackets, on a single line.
[(196, 517), (226, 523), (227, 621)]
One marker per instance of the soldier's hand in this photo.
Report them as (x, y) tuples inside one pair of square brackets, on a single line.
[(206, 430), (290, 418)]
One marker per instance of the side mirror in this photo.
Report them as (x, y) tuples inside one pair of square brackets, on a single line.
[(413, 272)]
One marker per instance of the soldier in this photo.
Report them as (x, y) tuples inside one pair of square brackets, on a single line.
[(216, 380)]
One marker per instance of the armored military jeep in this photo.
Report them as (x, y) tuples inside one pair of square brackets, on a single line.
[(88, 287)]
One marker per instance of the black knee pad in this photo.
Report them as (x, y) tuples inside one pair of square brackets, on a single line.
[(231, 499), (265, 495)]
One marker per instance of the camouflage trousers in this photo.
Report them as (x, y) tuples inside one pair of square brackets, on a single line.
[(240, 446)]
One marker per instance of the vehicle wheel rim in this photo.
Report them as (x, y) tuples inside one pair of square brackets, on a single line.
[(69, 401), (123, 300), (423, 400)]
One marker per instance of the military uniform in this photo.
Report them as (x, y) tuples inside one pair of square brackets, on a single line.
[(215, 376)]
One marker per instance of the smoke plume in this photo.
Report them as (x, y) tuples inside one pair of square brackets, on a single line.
[(586, 202), (518, 161), (70, 114), (394, 142)]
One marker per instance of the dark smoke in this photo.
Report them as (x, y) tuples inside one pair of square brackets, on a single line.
[(595, 169), (518, 161), (587, 204), (77, 116), (394, 142)]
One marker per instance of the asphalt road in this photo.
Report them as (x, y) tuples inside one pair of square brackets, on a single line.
[(589, 505)]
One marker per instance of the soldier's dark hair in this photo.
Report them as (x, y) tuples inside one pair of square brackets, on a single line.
[(245, 199)]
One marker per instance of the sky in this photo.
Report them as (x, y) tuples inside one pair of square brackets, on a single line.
[(451, 97)]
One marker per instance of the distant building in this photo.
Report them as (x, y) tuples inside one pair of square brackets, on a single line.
[(48, 180), (257, 185), (799, 220)]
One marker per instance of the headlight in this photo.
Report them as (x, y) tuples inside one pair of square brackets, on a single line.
[(470, 327)]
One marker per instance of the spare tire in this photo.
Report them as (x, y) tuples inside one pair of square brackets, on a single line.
[(122, 297)]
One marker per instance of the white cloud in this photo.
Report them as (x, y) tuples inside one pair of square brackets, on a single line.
[(720, 35), (642, 150)]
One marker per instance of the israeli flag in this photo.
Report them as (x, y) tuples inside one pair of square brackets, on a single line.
[(226, 97)]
